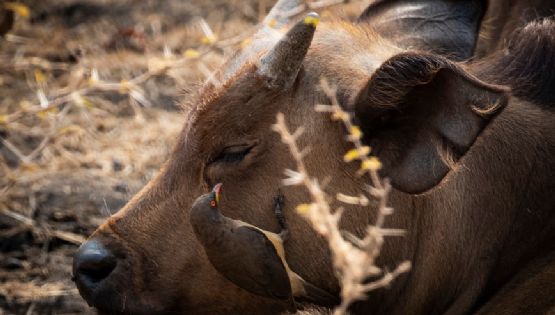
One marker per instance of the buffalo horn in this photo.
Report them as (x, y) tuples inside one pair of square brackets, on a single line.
[(281, 64)]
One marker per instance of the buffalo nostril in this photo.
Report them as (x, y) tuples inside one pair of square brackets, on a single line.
[(93, 262)]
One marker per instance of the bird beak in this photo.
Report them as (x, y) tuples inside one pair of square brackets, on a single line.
[(217, 190)]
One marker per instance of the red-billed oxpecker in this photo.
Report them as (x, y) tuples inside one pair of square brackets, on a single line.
[(251, 258)]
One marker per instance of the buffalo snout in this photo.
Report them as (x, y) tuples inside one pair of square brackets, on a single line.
[(93, 263), (97, 270)]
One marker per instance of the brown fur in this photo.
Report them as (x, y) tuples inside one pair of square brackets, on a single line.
[(528, 77), (488, 220), (504, 17)]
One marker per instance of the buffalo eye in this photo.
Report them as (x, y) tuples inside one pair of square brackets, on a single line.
[(232, 154), (231, 161)]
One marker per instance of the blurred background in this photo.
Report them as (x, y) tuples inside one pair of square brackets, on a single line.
[(89, 110)]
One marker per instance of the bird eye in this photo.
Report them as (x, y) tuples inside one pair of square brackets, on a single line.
[(233, 154)]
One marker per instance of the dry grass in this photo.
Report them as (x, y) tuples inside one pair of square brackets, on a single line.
[(85, 123)]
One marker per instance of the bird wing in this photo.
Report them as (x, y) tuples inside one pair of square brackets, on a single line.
[(249, 259)]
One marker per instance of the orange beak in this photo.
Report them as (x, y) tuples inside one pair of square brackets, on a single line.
[(217, 191)]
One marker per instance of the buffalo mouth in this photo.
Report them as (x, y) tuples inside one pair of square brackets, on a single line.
[(103, 274), (112, 302), (114, 299)]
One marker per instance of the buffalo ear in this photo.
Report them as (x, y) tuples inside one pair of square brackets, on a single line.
[(447, 27), (421, 113)]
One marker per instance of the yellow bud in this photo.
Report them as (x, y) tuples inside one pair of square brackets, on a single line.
[(208, 39), (356, 153), (191, 53), (350, 155), (311, 20), (28, 167), (303, 208), (3, 119), (19, 9), (372, 164), (71, 129), (355, 133), (43, 114), (39, 76)]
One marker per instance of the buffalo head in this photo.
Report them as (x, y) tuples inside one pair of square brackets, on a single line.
[(442, 134)]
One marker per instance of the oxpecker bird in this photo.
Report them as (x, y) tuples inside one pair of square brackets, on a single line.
[(251, 258)]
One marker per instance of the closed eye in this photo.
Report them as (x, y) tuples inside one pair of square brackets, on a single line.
[(233, 154)]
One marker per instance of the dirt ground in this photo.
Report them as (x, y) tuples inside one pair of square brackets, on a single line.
[(88, 113)]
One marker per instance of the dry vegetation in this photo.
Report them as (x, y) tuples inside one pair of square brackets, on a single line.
[(88, 114), (354, 258)]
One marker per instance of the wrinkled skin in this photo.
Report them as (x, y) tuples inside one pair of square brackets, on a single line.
[(471, 227)]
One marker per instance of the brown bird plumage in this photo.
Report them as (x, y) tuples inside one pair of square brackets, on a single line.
[(251, 258)]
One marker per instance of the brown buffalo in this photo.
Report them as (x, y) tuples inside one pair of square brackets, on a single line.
[(471, 162)]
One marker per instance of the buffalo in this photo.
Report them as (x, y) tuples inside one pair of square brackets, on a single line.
[(468, 146)]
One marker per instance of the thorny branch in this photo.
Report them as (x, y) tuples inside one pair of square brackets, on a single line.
[(354, 259)]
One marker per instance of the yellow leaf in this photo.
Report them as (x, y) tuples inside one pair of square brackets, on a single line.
[(208, 39), (191, 53), (29, 167), (71, 129), (356, 153), (355, 133), (302, 208), (19, 9), (350, 155), (44, 113), (39, 76), (372, 164)]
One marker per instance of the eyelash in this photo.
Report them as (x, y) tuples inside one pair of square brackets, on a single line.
[(232, 157)]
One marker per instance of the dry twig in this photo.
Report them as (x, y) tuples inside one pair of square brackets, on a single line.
[(354, 258), (30, 224)]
